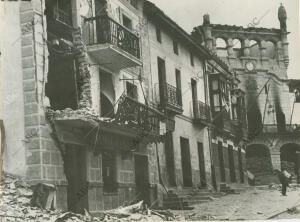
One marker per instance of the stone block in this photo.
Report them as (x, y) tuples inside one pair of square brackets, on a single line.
[(25, 6), (32, 120), (50, 172), (33, 157), (32, 144), (46, 158), (55, 158), (27, 62), (60, 174), (34, 172), (27, 51), (29, 85), (30, 97), (31, 108), (29, 73)]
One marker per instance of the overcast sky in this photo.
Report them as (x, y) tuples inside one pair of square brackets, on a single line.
[(189, 13)]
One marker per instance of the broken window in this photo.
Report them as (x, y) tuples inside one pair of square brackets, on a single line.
[(61, 87)]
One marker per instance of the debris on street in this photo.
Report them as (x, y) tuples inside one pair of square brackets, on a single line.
[(21, 202)]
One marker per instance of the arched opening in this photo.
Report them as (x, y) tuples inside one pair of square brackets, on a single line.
[(237, 46), (270, 50), (290, 160), (221, 47), (259, 163), (254, 49), (258, 159)]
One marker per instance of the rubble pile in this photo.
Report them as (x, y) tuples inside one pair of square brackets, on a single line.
[(86, 113), (16, 205)]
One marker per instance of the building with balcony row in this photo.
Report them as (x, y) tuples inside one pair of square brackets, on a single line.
[(114, 98)]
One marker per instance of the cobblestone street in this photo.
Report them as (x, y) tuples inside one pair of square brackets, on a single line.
[(257, 203)]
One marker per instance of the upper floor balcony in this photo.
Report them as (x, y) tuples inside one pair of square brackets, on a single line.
[(170, 98), (240, 128), (201, 112), (285, 129), (135, 115), (111, 44)]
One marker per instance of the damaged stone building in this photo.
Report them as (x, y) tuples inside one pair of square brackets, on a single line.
[(259, 58), (111, 101)]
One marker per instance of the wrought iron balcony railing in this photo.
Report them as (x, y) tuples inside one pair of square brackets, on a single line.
[(222, 121), (285, 129), (138, 115), (103, 29), (201, 111), (171, 97)]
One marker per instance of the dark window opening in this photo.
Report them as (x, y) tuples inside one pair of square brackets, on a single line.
[(109, 172), (161, 66), (178, 85), (240, 161), (158, 34), (192, 59), (61, 87), (175, 47), (131, 90), (169, 150), (127, 22), (60, 10)]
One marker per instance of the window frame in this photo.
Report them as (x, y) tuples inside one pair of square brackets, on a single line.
[(175, 47), (158, 34)]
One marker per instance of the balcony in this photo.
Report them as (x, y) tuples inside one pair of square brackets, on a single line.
[(140, 117), (201, 112), (171, 98), (274, 129), (222, 121), (111, 44), (239, 128)]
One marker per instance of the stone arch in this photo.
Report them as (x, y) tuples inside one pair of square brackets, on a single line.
[(290, 160), (254, 48), (270, 49), (221, 47), (221, 42), (258, 159)]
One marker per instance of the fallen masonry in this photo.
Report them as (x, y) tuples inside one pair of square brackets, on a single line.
[(16, 204)]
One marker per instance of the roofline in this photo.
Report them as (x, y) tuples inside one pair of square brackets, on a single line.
[(154, 12)]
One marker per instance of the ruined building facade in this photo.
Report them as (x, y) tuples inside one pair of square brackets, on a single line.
[(111, 101), (259, 58)]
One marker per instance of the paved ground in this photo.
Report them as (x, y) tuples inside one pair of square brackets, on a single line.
[(257, 203)]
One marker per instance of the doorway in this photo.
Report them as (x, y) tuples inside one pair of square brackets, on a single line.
[(170, 164), (142, 177), (186, 162), (240, 165), (231, 164), (75, 170), (221, 161), (201, 165)]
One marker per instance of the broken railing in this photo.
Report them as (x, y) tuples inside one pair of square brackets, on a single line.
[(138, 115)]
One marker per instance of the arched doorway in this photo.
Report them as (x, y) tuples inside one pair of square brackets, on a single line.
[(259, 163), (290, 160)]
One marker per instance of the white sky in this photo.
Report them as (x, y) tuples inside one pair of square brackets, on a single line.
[(189, 13)]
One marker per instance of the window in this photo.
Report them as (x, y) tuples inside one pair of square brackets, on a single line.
[(192, 59), (175, 47), (109, 171), (63, 11), (131, 90), (127, 22), (178, 86), (158, 34)]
